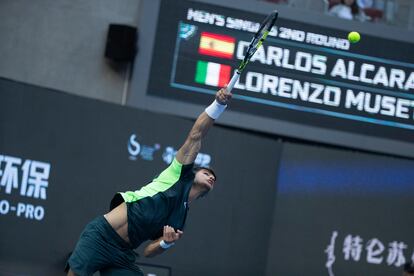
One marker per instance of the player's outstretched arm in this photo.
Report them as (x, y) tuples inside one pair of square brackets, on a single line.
[(188, 152)]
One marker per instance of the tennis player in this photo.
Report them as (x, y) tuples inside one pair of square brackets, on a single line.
[(156, 212)]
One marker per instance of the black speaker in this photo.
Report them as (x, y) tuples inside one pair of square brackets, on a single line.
[(121, 42)]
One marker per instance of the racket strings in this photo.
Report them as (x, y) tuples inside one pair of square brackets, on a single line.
[(258, 39)]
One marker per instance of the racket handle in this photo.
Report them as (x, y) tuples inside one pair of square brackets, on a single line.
[(233, 80)]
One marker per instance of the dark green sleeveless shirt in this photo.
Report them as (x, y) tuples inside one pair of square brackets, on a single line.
[(162, 202)]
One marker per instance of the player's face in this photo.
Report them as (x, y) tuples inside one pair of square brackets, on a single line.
[(205, 179)]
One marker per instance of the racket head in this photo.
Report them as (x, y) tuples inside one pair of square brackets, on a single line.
[(259, 37)]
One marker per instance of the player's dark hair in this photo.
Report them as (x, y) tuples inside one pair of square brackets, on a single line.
[(196, 169)]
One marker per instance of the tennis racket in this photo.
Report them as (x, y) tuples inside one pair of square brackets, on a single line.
[(255, 44)]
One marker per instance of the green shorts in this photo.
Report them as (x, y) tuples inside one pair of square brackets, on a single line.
[(100, 248)]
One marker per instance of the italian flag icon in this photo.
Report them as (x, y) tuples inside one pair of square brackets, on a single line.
[(211, 73)]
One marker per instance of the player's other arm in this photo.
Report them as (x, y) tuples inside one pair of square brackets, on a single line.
[(189, 150), (159, 246)]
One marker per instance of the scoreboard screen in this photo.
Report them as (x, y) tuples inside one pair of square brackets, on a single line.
[(307, 81)]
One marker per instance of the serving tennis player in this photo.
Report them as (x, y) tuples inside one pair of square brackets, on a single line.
[(155, 212)]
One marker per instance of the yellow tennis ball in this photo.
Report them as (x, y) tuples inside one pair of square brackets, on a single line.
[(354, 37)]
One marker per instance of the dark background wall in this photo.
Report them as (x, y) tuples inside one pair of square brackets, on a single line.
[(274, 210), (360, 197), (86, 144)]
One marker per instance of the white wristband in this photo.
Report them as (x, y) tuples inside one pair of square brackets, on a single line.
[(165, 245), (215, 109)]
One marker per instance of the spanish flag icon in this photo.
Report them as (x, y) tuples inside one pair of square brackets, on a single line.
[(221, 46)]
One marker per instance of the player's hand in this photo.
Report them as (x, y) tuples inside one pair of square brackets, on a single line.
[(222, 96), (170, 235)]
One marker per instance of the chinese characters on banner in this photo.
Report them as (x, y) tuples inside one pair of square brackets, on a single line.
[(27, 178), (376, 251)]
